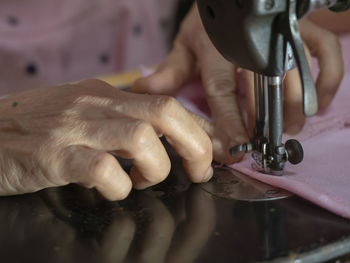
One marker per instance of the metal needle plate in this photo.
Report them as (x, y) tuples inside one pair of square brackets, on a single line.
[(230, 184)]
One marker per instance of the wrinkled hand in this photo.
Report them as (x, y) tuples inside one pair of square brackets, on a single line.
[(194, 55), (60, 135)]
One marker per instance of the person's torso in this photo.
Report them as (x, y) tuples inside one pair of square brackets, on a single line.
[(47, 42)]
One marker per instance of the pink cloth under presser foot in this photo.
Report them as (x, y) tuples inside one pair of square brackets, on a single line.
[(324, 176)]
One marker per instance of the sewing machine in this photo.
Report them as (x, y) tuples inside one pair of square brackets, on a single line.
[(263, 36)]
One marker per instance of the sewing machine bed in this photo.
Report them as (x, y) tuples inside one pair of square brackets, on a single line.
[(175, 221)]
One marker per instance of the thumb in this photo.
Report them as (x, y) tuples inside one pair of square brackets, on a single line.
[(176, 70)]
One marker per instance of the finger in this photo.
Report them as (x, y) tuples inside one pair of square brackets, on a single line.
[(193, 234), (325, 46), (168, 117), (92, 168), (221, 90), (248, 82), (293, 104), (132, 139), (157, 233), (177, 69), (178, 210), (117, 238), (151, 162)]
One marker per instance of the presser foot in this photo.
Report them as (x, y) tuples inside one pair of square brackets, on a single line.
[(271, 161), (264, 163)]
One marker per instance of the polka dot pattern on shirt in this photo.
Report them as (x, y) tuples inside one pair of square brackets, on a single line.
[(137, 29), (32, 69), (104, 58), (12, 20)]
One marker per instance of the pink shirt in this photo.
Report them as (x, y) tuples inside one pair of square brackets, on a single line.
[(47, 42)]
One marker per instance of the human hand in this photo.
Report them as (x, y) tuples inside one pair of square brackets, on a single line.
[(194, 55), (60, 135), (336, 22), (326, 48)]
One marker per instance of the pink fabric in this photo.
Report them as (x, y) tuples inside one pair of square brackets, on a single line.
[(69, 40), (324, 176)]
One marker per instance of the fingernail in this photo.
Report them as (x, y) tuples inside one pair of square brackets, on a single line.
[(209, 174), (294, 129)]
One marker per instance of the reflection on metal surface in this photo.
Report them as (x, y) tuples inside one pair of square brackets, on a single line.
[(73, 224), (175, 221), (321, 254), (228, 183)]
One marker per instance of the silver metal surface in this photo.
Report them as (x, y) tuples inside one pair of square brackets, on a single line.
[(317, 4), (274, 81), (269, 152), (231, 184), (289, 59), (261, 108), (307, 83), (275, 112), (272, 46), (245, 147), (317, 255), (275, 124)]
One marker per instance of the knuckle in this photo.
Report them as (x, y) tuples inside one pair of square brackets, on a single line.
[(140, 134), (166, 105), (220, 85)]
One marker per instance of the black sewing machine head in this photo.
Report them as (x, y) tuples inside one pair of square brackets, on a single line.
[(263, 36)]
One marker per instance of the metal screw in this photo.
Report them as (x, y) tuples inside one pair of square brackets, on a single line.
[(269, 4), (280, 150)]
